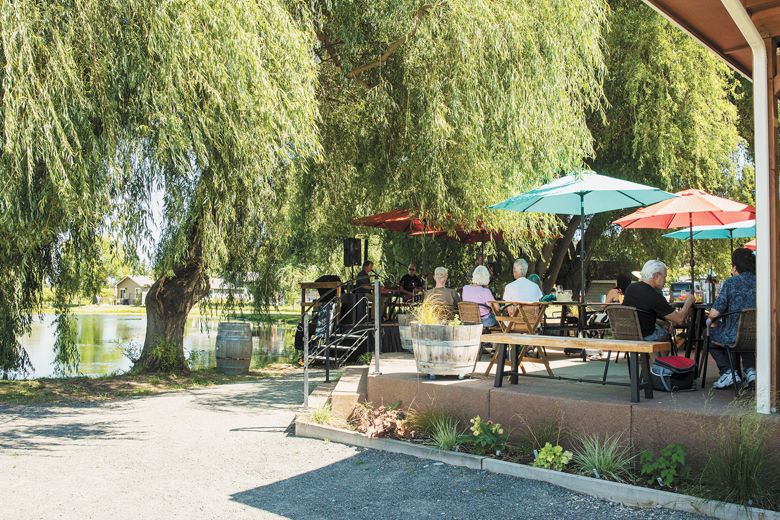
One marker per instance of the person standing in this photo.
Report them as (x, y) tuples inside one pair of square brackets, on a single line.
[(522, 289)]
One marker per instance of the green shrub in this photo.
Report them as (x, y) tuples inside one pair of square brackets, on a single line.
[(607, 459), (741, 468), (424, 422), (445, 434), (668, 469), (487, 437), (552, 457), (365, 358), (549, 430), (322, 415)]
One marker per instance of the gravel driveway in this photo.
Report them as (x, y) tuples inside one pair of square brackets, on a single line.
[(225, 452)]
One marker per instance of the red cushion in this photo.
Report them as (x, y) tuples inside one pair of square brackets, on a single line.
[(676, 362)]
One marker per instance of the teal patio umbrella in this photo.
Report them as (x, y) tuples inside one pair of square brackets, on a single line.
[(583, 192), (744, 229)]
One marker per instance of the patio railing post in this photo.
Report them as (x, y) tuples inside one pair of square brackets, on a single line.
[(306, 361), (377, 326)]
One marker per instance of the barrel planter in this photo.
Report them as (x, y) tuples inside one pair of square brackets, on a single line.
[(445, 349), (234, 348), (405, 331)]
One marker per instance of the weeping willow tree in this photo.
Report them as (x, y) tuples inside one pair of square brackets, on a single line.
[(108, 107), (670, 121), (445, 108)]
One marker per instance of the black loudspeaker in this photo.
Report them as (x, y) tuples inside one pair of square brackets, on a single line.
[(351, 252)]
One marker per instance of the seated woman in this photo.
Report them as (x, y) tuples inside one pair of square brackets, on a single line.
[(736, 294), (615, 295), (478, 292)]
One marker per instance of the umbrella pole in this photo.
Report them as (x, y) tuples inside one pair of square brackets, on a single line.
[(582, 248), (693, 271), (731, 240)]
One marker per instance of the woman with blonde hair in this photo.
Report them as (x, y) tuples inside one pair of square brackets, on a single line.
[(478, 292)]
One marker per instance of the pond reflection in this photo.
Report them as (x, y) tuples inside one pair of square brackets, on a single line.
[(102, 339)]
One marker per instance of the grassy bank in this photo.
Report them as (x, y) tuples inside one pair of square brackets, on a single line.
[(287, 315), (95, 389)]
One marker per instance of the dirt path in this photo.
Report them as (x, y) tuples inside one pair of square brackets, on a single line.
[(223, 452)]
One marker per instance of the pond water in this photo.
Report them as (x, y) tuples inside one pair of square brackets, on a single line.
[(103, 338)]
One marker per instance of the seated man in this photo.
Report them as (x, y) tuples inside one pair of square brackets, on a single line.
[(441, 292), (646, 296), (363, 278), (736, 294), (522, 289), (410, 283)]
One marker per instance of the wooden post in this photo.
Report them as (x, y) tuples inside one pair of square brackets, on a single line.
[(772, 78)]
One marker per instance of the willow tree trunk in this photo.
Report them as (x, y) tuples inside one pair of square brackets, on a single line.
[(168, 303), (559, 254)]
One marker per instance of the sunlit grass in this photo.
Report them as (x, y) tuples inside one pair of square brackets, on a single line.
[(92, 389)]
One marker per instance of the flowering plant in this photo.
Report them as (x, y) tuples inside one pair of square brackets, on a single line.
[(487, 436)]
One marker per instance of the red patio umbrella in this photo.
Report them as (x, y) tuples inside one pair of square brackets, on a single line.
[(751, 245), (401, 220), (690, 208)]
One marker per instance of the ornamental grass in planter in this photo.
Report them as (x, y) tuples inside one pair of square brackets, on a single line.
[(442, 346)]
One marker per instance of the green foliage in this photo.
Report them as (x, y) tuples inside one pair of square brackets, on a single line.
[(670, 121), (604, 459), (668, 468), (547, 430), (424, 422), (201, 109), (445, 434), (164, 357), (742, 468), (365, 358), (476, 100), (486, 437), (552, 457), (322, 415)]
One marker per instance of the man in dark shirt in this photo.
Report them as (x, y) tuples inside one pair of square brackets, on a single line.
[(647, 297), (363, 279), (410, 283)]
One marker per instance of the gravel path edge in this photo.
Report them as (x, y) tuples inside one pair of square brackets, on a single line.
[(625, 494)]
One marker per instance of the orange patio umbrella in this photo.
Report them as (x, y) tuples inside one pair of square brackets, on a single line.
[(690, 208), (751, 245)]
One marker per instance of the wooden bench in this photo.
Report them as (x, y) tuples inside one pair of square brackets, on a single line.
[(636, 350)]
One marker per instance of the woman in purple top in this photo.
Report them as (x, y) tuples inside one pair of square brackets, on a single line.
[(478, 292)]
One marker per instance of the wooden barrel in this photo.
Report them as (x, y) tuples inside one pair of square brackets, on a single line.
[(405, 331), (234, 348), (445, 349)]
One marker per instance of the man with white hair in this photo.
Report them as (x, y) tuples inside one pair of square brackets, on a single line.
[(441, 292), (522, 289), (646, 296)]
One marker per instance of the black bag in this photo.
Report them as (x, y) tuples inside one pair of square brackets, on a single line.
[(672, 373)]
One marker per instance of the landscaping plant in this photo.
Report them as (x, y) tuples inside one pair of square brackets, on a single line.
[(425, 422), (552, 457), (445, 434), (382, 421), (322, 415), (487, 437), (667, 469), (432, 311), (741, 468), (607, 459)]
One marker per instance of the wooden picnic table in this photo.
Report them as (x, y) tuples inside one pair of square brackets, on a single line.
[(637, 350)]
